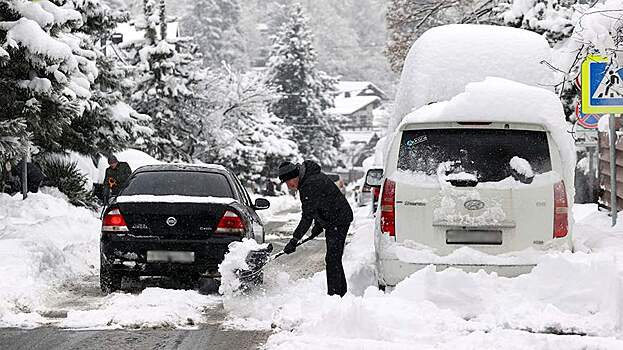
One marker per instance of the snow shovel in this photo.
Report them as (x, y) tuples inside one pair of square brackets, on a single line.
[(258, 259)]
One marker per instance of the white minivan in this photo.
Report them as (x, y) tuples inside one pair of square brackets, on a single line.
[(491, 186), (478, 173)]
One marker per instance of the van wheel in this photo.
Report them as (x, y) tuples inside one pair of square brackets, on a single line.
[(109, 281)]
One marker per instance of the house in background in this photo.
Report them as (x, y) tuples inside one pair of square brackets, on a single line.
[(356, 101)]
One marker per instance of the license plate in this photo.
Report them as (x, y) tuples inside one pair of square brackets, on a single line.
[(474, 237), (170, 256)]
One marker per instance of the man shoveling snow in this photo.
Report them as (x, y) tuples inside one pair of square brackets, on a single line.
[(325, 206)]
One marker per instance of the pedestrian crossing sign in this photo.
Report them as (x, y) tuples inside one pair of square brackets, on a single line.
[(602, 86)]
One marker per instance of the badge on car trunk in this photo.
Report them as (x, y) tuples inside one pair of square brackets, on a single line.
[(171, 221), (474, 204)]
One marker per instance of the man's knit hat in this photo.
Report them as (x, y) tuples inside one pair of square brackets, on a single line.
[(288, 171)]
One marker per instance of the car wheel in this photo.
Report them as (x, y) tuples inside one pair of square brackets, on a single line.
[(109, 281)]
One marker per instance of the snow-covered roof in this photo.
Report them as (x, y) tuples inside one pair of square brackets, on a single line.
[(131, 33), (350, 105), (358, 87), (445, 59)]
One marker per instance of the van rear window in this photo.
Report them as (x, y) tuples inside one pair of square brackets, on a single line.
[(486, 153)]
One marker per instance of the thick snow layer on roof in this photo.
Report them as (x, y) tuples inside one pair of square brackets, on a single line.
[(501, 100), (350, 105), (445, 59)]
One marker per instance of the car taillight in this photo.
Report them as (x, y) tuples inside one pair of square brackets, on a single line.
[(388, 213), (375, 192), (561, 225), (230, 223), (114, 222)]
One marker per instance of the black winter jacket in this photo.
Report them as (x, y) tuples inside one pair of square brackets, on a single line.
[(322, 201)]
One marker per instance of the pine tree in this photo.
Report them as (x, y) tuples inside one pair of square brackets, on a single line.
[(305, 92), (166, 74), (108, 121), (45, 73), (214, 25)]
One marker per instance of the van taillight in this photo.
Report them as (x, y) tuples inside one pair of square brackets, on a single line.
[(114, 222), (230, 223), (388, 212), (561, 224)]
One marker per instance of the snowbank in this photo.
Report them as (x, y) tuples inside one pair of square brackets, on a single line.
[(235, 260), (154, 307), (566, 296), (445, 59), (278, 204), (43, 241)]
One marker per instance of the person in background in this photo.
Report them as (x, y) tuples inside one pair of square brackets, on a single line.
[(34, 175), (117, 174)]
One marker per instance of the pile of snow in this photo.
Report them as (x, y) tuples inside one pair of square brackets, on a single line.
[(43, 241), (279, 204), (566, 296), (501, 100), (235, 260), (445, 59), (154, 307)]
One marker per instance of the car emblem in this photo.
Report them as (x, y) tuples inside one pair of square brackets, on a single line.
[(474, 204), (171, 221)]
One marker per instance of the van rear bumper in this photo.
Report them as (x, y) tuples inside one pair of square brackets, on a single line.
[(392, 271)]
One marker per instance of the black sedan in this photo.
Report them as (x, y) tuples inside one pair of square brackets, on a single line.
[(175, 221)]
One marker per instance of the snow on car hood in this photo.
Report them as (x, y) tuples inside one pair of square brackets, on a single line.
[(140, 198)]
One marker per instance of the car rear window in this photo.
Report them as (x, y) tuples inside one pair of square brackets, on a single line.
[(485, 153), (334, 177), (183, 183)]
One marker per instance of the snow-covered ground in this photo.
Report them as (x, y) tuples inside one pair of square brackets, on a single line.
[(569, 301)]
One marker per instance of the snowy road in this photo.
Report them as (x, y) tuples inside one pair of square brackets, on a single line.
[(83, 294)]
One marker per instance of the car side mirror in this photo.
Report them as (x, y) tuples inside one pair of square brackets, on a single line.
[(261, 204), (374, 177)]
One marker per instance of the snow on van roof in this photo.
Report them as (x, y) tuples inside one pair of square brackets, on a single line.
[(445, 59), (501, 100)]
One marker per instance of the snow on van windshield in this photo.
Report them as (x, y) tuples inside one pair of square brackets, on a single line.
[(484, 153), (501, 100)]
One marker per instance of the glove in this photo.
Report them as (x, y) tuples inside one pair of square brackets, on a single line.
[(291, 246), (316, 231)]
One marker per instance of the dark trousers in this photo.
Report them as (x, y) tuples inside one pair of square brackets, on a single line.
[(336, 280)]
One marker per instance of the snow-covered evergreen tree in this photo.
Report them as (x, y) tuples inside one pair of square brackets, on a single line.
[(551, 18), (108, 120), (251, 141), (166, 74), (45, 74), (305, 91), (214, 25), (56, 83)]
